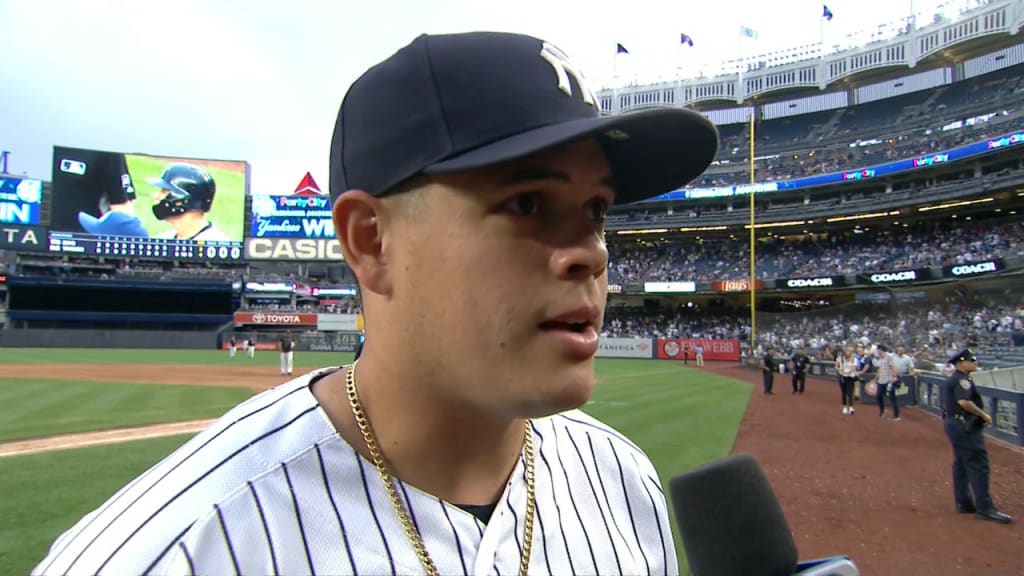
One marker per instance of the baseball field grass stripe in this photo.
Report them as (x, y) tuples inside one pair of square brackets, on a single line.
[(41, 495), (31, 408)]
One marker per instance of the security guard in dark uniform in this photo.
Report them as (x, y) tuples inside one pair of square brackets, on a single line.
[(801, 361), (768, 370), (964, 419)]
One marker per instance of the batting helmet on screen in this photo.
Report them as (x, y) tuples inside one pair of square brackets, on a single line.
[(189, 188)]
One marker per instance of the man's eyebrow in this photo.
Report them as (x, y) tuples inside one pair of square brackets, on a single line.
[(526, 174)]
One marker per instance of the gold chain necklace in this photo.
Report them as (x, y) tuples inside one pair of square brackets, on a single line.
[(403, 516)]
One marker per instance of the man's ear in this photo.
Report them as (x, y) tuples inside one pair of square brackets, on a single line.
[(358, 222)]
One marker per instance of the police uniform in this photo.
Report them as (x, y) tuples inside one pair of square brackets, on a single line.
[(767, 370), (800, 364), (965, 433)]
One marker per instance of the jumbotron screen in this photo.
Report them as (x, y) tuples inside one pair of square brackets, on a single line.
[(142, 206)]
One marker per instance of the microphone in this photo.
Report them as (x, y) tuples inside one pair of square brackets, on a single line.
[(732, 524)]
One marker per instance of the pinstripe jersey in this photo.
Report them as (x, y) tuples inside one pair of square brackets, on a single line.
[(272, 488)]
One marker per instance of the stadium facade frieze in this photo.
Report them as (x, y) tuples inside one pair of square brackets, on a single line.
[(809, 67)]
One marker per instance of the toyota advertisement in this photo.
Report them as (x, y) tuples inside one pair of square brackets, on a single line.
[(274, 319)]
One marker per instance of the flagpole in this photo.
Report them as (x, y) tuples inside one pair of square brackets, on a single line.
[(821, 33), (753, 264)]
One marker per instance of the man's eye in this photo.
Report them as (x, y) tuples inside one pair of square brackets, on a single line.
[(598, 209), (525, 204)]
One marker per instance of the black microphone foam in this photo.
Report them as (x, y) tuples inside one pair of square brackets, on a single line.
[(730, 521)]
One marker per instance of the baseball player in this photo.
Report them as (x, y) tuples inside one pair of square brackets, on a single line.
[(465, 453), (185, 194), (286, 346), (232, 346), (250, 347)]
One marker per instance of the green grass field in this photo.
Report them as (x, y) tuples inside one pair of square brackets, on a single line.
[(42, 495), (652, 402), (227, 212), (35, 408)]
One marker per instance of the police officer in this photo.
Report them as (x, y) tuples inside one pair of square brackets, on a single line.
[(768, 370), (964, 418), (801, 361)]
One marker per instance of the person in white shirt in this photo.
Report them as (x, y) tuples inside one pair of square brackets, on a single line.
[(885, 381)]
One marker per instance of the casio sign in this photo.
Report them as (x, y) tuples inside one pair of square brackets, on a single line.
[(808, 282), (978, 268), (895, 276)]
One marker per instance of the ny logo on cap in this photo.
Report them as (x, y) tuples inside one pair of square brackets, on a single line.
[(563, 69)]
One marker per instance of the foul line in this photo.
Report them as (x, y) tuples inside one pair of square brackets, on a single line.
[(80, 440)]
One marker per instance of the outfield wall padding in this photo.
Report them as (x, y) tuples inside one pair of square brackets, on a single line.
[(99, 338)]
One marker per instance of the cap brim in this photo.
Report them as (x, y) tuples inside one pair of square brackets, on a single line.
[(650, 152), (89, 222)]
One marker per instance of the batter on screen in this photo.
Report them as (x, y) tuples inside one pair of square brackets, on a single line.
[(453, 445)]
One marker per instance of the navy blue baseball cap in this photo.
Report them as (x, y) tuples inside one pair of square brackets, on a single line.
[(964, 355), (456, 102)]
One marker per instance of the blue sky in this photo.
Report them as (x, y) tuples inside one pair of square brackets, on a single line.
[(261, 81)]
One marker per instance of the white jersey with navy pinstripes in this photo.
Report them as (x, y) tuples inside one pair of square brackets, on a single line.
[(272, 488)]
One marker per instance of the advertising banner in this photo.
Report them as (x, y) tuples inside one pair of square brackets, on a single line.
[(339, 322), (666, 287), (306, 213), (23, 238), (295, 249), (625, 348), (20, 199), (735, 285), (714, 349), (819, 282), (270, 318), (898, 276), (973, 269)]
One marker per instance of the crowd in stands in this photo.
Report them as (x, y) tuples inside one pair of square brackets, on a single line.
[(864, 135), (922, 245), (929, 332)]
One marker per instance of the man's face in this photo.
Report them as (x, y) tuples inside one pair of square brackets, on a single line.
[(900, 351), (500, 278), (967, 366)]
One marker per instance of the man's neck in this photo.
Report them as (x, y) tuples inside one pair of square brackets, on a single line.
[(434, 443), (189, 224)]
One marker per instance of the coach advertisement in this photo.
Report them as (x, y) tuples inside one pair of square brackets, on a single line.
[(973, 269), (23, 238), (714, 349), (625, 348), (271, 318), (820, 282), (898, 276)]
